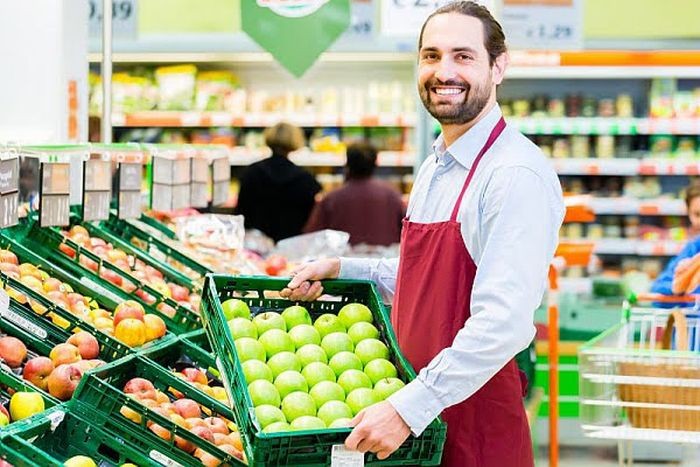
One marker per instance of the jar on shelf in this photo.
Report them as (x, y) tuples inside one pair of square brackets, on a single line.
[(521, 108), (605, 146), (573, 105), (556, 108), (589, 107), (632, 227), (606, 108), (561, 148), (580, 146), (624, 106)]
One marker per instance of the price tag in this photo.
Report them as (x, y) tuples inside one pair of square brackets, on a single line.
[(181, 196), (4, 301), (198, 195), (97, 189), (54, 194), (124, 18), (99, 290), (20, 321), (163, 459), (171, 184), (342, 457), (129, 198), (163, 170), (130, 177), (404, 18), (9, 191), (538, 25), (362, 20), (221, 192), (162, 197), (56, 418)]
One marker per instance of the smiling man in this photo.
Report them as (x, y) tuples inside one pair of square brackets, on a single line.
[(476, 245)]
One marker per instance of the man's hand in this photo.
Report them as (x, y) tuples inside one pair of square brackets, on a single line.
[(305, 285), (378, 429)]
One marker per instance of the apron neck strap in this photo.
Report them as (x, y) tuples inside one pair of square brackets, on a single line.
[(495, 133)]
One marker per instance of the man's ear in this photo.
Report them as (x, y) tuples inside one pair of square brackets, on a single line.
[(498, 70)]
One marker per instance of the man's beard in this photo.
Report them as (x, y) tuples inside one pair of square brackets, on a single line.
[(475, 99)]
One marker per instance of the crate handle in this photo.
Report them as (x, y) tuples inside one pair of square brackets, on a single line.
[(676, 320)]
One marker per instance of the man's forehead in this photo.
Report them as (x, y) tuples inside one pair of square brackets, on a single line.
[(453, 30)]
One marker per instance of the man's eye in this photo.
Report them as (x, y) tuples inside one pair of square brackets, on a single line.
[(464, 57), (430, 57)]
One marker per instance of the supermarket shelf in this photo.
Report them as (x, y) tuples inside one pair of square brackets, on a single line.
[(626, 166), (605, 126), (626, 246), (241, 156), (601, 72), (632, 206), (158, 118), (641, 434)]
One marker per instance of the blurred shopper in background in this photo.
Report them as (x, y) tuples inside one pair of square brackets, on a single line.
[(276, 196), (368, 209)]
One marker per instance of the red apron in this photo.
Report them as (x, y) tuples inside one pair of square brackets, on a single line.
[(432, 303)]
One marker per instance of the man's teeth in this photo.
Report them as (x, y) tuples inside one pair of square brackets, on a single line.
[(447, 91)]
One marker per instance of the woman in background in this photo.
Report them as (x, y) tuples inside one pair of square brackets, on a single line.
[(276, 196)]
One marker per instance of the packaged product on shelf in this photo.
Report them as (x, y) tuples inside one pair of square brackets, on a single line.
[(176, 87), (685, 147), (561, 148), (132, 93), (212, 90), (685, 104), (95, 99), (605, 146), (624, 146), (323, 244), (660, 145), (589, 107), (539, 106), (624, 106), (556, 108), (606, 108), (661, 97), (573, 105), (580, 146), (521, 108), (595, 231)]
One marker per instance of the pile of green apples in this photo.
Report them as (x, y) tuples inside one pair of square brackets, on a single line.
[(308, 376)]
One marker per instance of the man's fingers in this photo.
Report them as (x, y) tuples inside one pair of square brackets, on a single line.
[(300, 276), (314, 292), (381, 455), (357, 434), (357, 418)]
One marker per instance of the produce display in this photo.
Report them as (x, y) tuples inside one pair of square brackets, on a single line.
[(303, 375), (136, 268), (128, 322)]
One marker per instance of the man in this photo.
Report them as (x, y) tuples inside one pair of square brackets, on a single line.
[(368, 209), (480, 233)]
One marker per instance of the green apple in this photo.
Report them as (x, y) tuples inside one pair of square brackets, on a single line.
[(340, 423), (337, 342), (354, 313), (277, 427), (311, 353), (307, 423), (316, 372), (248, 348), (380, 368), (234, 308), (263, 392), (386, 387), (361, 331), (282, 362), (327, 391), (343, 361), (4, 419), (298, 404), (333, 410), (270, 320), (255, 370), (295, 316), (276, 341), (327, 324), (353, 379), (268, 414), (304, 334), (242, 327), (371, 349), (361, 398), (290, 381)]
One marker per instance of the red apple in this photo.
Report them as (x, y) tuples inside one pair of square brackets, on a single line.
[(94, 241), (64, 354), (203, 432), (86, 343), (6, 256), (128, 309), (178, 292), (37, 370), (88, 263), (10, 269), (78, 229), (216, 425), (63, 380), (184, 445), (153, 272), (194, 375), (12, 351), (141, 388), (155, 327), (187, 408)]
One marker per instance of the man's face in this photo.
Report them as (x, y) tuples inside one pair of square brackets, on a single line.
[(455, 78)]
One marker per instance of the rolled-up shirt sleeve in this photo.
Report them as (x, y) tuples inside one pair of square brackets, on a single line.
[(520, 216), (381, 271)]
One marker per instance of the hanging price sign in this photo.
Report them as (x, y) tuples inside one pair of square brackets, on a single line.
[(129, 197), (543, 24), (9, 191), (97, 189), (199, 183), (221, 181), (170, 189), (124, 18), (54, 194)]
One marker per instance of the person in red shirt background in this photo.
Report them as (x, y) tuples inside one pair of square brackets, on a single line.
[(368, 209)]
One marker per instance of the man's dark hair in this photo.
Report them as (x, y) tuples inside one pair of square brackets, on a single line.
[(494, 39), (361, 160)]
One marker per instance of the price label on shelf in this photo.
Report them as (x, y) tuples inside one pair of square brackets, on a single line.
[(343, 457), (124, 18), (54, 194), (537, 25), (9, 191), (97, 189)]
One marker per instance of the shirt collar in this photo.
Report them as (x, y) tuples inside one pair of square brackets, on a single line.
[(465, 149)]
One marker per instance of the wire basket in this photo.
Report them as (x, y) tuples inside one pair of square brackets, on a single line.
[(641, 378)]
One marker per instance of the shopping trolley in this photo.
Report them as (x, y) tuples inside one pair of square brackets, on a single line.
[(640, 380)]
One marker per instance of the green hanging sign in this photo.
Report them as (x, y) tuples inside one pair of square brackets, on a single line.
[(295, 32)]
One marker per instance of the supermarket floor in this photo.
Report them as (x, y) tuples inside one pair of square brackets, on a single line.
[(600, 456)]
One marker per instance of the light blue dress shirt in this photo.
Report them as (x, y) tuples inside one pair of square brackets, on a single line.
[(510, 218)]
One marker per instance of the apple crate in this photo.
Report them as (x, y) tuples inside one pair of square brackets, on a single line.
[(154, 246), (45, 242), (62, 432), (9, 384), (308, 447), (40, 305), (100, 393)]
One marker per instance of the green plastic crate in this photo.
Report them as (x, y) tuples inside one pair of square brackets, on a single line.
[(158, 225), (311, 447), (45, 242), (100, 395), (154, 246), (11, 382), (61, 433), (44, 308)]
